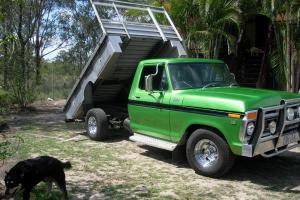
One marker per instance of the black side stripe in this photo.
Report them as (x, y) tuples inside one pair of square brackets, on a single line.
[(218, 113)]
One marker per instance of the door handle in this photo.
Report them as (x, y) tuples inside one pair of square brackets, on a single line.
[(137, 97)]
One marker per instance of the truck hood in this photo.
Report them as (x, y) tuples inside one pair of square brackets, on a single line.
[(234, 99)]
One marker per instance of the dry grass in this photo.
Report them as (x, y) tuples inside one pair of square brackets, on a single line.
[(120, 169)]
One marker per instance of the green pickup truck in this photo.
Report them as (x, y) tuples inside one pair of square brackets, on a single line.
[(197, 105)]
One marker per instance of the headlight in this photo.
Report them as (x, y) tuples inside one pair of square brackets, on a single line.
[(299, 111), (290, 114), (250, 128), (272, 127)]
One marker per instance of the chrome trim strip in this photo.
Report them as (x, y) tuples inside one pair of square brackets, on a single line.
[(272, 115), (154, 142), (293, 122)]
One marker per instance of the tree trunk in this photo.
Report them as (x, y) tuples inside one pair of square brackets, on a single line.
[(5, 70), (298, 78), (38, 69), (265, 70), (217, 47), (5, 56), (21, 56), (37, 52), (23, 63), (289, 54)]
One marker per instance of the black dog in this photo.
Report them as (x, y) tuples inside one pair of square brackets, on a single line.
[(28, 173)]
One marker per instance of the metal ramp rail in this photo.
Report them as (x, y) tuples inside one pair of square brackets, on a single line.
[(118, 23), (131, 32)]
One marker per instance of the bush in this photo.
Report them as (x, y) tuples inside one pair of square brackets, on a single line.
[(4, 101), (4, 98), (9, 146)]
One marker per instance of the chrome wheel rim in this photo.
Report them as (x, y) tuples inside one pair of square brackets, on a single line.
[(92, 125), (206, 153)]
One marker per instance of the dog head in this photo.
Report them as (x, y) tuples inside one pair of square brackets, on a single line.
[(13, 181)]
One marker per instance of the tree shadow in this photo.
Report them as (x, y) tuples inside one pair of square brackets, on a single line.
[(113, 136), (93, 190)]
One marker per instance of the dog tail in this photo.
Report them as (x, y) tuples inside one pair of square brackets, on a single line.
[(67, 165)]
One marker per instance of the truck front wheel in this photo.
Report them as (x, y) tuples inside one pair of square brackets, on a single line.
[(209, 154), (96, 124)]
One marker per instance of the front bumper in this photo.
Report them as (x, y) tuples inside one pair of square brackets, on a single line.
[(286, 137)]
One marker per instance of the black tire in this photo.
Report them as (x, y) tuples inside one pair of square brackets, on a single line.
[(101, 123), (225, 159)]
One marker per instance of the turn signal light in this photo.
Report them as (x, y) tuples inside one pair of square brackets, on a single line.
[(251, 115), (232, 115)]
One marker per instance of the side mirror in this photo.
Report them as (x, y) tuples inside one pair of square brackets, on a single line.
[(232, 76), (149, 80), (149, 83)]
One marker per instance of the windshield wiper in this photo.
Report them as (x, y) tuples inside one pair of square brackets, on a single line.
[(213, 84), (233, 84)]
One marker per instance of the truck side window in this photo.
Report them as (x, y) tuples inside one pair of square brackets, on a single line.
[(159, 81)]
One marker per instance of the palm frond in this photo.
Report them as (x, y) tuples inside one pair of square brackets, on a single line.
[(279, 66)]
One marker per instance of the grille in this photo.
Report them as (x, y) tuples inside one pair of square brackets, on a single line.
[(274, 116), (292, 128)]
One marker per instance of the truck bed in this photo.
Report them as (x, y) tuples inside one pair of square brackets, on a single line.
[(107, 76)]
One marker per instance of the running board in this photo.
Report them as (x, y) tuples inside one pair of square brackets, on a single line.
[(154, 142)]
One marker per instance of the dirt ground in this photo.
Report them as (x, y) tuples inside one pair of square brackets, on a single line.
[(120, 169)]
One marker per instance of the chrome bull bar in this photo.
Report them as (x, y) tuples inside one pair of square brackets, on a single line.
[(276, 143)]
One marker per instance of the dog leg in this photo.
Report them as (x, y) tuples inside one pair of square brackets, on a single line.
[(62, 186), (49, 188), (61, 183), (26, 193)]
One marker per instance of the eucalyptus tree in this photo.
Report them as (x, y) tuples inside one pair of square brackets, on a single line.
[(28, 28), (6, 38), (81, 30), (46, 31)]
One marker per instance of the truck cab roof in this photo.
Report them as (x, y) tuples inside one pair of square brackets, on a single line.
[(180, 60)]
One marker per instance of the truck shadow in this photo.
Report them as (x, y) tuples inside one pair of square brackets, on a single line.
[(116, 136), (280, 173), (164, 155)]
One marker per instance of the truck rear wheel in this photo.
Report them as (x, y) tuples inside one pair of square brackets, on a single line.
[(209, 154), (96, 124)]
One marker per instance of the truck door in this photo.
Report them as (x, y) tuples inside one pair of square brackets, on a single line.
[(149, 113)]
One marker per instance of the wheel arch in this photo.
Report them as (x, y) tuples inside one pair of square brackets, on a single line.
[(190, 129)]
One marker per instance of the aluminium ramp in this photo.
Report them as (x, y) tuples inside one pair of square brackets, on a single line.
[(124, 43)]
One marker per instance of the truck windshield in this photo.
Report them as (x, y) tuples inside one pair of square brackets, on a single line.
[(200, 75)]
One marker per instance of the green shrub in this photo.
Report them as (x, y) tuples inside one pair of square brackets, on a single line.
[(9, 146), (4, 98)]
